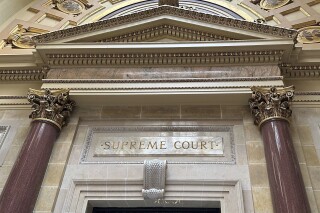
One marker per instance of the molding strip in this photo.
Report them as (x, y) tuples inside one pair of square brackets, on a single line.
[(166, 10)]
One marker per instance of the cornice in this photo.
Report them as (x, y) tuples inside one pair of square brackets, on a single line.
[(300, 71), (155, 59), (13, 97), (308, 93), (307, 97), (14, 101), (166, 10), (34, 74)]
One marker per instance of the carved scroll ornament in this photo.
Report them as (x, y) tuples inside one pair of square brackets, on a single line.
[(154, 179), (270, 103), (52, 106)]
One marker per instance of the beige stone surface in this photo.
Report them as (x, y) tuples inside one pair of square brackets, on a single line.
[(160, 112), (12, 155), (259, 175), (311, 156), (314, 172), (241, 153), (4, 173), (46, 198), (294, 131), (17, 115), (67, 134), (239, 135), (21, 135), (203, 111), (255, 152), (305, 175), (305, 135), (85, 113), (299, 152), (247, 199), (1, 113), (247, 117), (60, 153), (317, 198), (234, 111), (54, 174), (262, 200), (312, 201), (121, 112), (252, 133)]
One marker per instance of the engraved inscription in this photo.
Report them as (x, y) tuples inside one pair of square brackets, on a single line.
[(121, 143), (159, 146)]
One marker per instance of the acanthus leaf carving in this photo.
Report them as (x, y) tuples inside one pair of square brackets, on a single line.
[(270, 103), (52, 106)]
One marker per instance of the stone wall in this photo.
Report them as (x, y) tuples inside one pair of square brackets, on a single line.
[(248, 143)]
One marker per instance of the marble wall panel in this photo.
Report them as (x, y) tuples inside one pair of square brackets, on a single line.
[(165, 73)]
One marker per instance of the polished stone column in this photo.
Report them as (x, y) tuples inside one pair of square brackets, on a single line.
[(50, 112), (270, 108)]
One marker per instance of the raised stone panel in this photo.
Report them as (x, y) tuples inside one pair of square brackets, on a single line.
[(178, 142)]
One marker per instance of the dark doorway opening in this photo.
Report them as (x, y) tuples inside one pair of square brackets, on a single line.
[(155, 210)]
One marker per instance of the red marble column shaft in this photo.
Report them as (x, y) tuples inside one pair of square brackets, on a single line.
[(286, 183), (21, 190)]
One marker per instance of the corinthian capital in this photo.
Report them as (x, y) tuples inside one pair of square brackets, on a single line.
[(270, 103), (52, 106)]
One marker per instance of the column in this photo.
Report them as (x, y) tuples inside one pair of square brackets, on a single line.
[(51, 111), (270, 109)]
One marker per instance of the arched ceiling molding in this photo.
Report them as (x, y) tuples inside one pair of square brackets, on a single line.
[(217, 6), (196, 5)]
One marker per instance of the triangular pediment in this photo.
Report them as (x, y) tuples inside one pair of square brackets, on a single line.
[(166, 23)]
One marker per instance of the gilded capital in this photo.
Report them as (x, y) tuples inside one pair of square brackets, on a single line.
[(270, 103), (51, 106)]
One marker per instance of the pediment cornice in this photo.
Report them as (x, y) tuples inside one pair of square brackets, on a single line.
[(166, 31), (276, 32)]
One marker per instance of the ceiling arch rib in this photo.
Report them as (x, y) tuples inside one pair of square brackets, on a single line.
[(195, 5)]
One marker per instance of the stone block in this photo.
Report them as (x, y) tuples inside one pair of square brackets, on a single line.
[(60, 153), (314, 172), (201, 111), (234, 111), (53, 175), (255, 151), (311, 155), (305, 135), (46, 199), (259, 175), (160, 111), (252, 133), (262, 200), (121, 112)]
